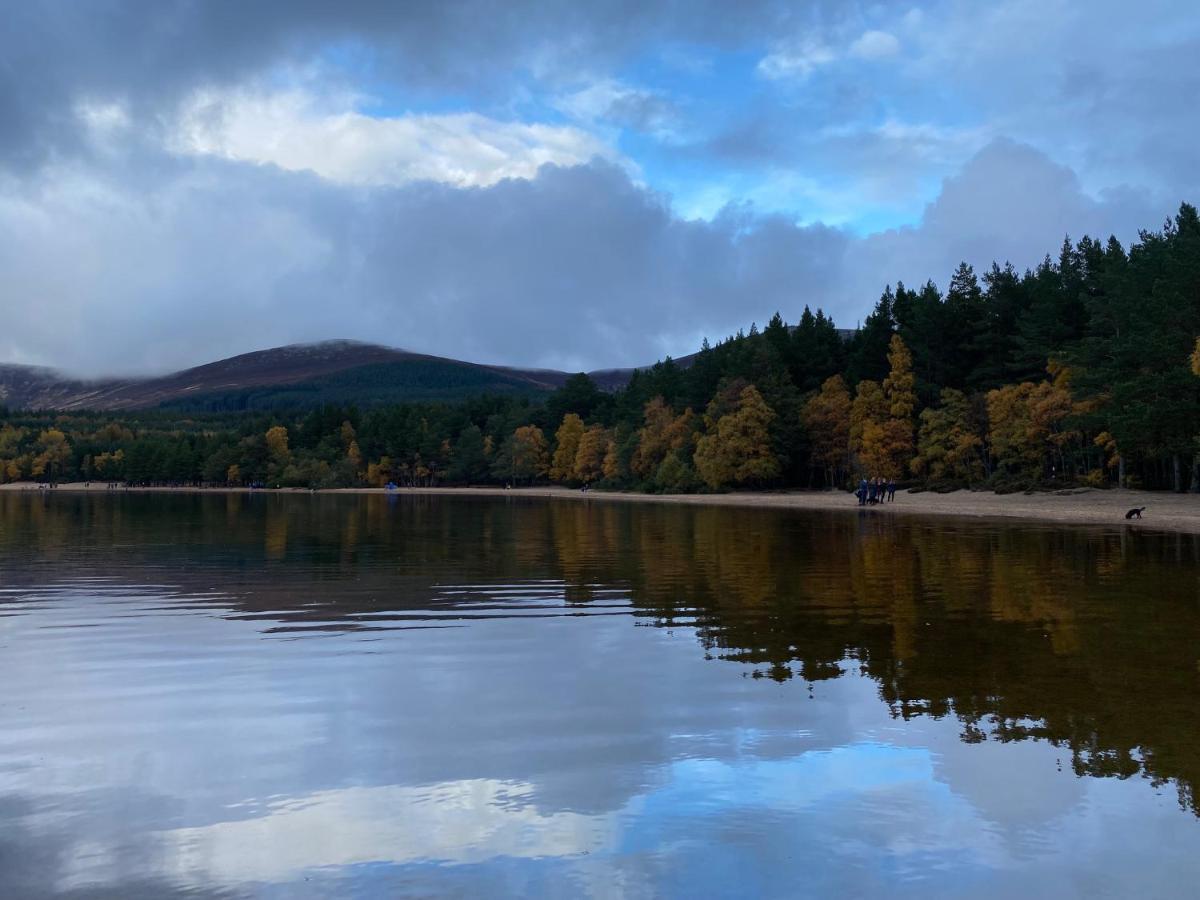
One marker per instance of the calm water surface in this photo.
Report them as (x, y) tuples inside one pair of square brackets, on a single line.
[(316, 696)]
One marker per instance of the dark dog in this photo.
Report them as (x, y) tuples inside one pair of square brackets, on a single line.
[(1135, 513)]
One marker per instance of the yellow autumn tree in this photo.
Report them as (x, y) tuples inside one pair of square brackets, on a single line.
[(868, 441), (662, 434), (827, 418), (530, 457), (108, 465), (899, 386), (1108, 446), (900, 393), (736, 447), (881, 426), (1010, 432), (379, 473), (54, 452), (15, 469), (277, 450), (948, 446), (1050, 411), (589, 458), (612, 460), (566, 439), (1028, 424)]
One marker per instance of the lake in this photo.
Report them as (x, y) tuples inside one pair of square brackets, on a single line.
[(313, 696)]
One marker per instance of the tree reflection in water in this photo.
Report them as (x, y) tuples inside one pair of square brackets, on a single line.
[(1083, 637)]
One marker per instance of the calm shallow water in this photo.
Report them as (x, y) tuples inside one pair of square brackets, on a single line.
[(314, 696)]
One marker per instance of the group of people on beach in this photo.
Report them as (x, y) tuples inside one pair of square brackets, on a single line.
[(875, 490)]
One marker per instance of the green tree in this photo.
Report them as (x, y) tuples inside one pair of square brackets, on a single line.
[(469, 459)]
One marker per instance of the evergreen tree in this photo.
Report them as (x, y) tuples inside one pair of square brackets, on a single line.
[(868, 350)]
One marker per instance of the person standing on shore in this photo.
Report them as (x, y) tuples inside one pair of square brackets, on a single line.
[(862, 492), (891, 489)]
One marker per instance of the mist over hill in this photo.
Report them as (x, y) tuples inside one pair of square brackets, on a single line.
[(298, 375)]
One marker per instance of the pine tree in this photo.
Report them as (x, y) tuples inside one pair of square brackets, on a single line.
[(868, 350)]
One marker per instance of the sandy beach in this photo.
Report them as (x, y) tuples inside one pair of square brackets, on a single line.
[(1164, 511)]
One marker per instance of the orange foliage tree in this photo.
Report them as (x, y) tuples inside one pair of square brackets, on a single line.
[(589, 457)]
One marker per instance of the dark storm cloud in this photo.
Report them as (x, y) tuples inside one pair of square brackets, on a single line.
[(577, 268)]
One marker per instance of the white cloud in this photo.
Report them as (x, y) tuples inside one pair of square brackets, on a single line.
[(299, 132), (875, 45), (801, 58), (458, 822), (612, 101), (796, 60)]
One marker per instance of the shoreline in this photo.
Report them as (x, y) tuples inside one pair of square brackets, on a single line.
[(1165, 511)]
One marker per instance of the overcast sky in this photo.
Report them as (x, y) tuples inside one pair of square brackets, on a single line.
[(575, 185)]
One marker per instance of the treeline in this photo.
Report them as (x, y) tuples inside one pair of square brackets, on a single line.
[(1084, 370)]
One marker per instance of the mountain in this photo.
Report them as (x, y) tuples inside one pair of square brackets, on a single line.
[(296, 375)]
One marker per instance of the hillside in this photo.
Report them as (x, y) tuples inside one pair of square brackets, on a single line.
[(296, 375)]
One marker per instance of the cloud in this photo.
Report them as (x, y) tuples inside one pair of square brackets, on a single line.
[(181, 181), (803, 56), (1010, 202), (620, 104), (797, 60), (291, 130), (577, 267), (157, 263), (152, 54), (875, 45), (463, 822)]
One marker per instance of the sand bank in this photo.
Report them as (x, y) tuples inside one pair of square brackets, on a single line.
[(1165, 511)]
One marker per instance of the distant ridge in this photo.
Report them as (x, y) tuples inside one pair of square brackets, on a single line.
[(296, 374), (333, 371)]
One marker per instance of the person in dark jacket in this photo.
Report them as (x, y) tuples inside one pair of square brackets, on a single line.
[(862, 492), (891, 489)]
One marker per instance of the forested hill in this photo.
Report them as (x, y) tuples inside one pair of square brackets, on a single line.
[(301, 375), (1082, 370)]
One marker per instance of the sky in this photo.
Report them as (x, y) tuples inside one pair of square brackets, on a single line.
[(554, 184)]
